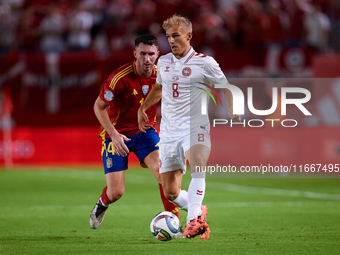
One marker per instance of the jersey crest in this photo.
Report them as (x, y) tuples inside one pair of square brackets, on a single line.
[(186, 71), (145, 89)]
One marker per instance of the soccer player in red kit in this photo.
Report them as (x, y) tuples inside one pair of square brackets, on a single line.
[(116, 109)]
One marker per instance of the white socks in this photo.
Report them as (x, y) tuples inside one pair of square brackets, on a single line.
[(182, 200), (191, 201), (196, 193)]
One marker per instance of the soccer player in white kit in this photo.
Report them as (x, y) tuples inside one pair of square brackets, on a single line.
[(184, 131)]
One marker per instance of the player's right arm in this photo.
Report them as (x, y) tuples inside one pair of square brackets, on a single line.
[(153, 98), (104, 119)]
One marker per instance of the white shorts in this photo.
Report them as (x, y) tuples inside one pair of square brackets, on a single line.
[(173, 148)]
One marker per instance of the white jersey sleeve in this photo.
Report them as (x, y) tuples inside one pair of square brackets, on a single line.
[(159, 77), (212, 72)]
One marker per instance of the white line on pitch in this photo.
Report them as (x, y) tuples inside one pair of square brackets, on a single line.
[(143, 206), (272, 204), (274, 192), (139, 178)]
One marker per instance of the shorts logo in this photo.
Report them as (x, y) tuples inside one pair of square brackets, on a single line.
[(108, 95), (145, 89), (109, 162), (160, 163), (186, 71), (201, 137), (167, 69)]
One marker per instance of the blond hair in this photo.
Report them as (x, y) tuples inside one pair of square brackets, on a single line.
[(177, 20)]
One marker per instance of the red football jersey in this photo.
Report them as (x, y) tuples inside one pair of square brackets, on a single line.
[(124, 92)]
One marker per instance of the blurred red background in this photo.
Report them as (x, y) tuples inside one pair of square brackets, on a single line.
[(53, 86)]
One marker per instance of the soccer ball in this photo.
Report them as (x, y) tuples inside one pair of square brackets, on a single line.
[(165, 226)]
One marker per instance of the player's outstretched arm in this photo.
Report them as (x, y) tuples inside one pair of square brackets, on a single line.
[(228, 96), (104, 119), (153, 98)]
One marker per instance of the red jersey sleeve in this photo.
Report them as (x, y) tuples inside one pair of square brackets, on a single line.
[(124, 92), (111, 89)]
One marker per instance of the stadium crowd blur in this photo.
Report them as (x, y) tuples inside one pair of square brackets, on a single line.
[(111, 25), (258, 43)]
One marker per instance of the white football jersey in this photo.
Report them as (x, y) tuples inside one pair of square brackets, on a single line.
[(183, 81)]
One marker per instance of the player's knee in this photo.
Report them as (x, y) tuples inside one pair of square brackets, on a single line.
[(171, 195), (156, 175), (114, 195), (197, 165)]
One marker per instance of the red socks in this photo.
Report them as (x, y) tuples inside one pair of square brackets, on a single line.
[(168, 206), (105, 200)]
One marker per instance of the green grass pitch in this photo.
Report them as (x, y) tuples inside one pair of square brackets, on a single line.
[(47, 212)]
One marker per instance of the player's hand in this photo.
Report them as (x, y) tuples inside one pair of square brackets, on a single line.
[(234, 117), (143, 120), (118, 144)]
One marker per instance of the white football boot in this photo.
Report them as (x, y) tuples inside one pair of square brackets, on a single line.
[(97, 214)]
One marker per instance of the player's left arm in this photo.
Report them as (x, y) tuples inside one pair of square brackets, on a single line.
[(214, 74), (228, 96)]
